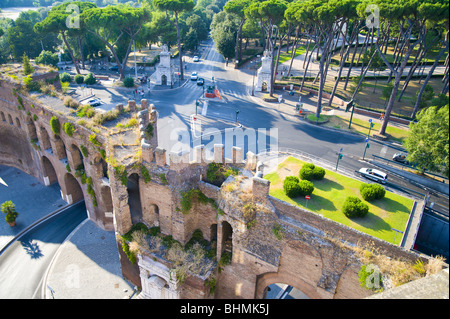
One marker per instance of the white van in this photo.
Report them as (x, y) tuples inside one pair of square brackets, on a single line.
[(374, 174)]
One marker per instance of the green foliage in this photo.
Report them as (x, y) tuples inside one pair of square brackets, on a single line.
[(149, 131), (291, 187), (54, 124), (9, 209), (65, 77), (84, 150), (354, 207), (79, 79), (163, 178), (370, 278), (372, 191), (217, 173), (145, 174), (128, 82), (94, 141), (428, 141), (69, 128), (90, 79), (310, 171), (306, 187), (278, 231), (85, 110), (27, 68), (47, 58), (122, 174), (31, 85)]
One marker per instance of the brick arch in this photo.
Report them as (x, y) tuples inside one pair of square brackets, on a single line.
[(76, 156), (74, 192), (300, 267), (44, 139), (105, 193), (50, 176)]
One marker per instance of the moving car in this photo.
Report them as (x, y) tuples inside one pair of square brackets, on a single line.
[(194, 76), (373, 174), (200, 81), (196, 59), (400, 157)]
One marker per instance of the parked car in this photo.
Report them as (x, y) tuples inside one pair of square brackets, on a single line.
[(196, 59), (94, 102), (373, 174), (400, 157), (194, 76), (200, 81), (114, 68)]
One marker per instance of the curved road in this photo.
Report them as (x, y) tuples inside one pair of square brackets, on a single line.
[(24, 263)]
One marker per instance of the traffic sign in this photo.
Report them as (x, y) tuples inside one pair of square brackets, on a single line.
[(308, 197)]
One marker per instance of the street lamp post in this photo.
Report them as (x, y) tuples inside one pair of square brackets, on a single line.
[(366, 147), (339, 157)]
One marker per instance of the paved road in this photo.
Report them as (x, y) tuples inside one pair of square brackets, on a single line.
[(26, 260)]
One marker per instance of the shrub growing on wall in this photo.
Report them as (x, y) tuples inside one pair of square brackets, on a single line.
[(54, 124), (372, 191), (69, 128), (354, 207)]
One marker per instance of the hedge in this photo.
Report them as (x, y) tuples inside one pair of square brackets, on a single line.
[(310, 171), (354, 207), (372, 191)]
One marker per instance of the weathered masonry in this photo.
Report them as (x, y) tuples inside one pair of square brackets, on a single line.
[(254, 240)]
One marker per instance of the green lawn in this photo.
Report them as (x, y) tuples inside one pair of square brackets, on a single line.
[(329, 195)]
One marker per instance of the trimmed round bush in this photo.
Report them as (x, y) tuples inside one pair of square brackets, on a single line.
[(128, 82), (354, 207), (318, 173), (65, 77), (291, 186), (90, 79), (310, 171), (79, 79), (306, 187), (372, 191), (307, 172)]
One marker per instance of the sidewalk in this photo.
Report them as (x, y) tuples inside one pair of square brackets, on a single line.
[(87, 266)]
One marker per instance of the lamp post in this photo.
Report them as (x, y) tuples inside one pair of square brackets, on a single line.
[(339, 157), (366, 147)]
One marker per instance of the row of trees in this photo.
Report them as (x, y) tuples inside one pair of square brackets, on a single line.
[(414, 27), (89, 29)]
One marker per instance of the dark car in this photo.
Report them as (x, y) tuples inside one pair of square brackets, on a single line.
[(400, 157), (114, 68), (200, 81)]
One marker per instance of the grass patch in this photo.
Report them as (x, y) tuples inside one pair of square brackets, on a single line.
[(360, 126), (330, 193)]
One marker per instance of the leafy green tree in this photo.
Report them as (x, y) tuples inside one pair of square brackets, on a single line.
[(47, 58), (23, 40), (237, 7), (428, 142), (65, 22), (176, 7), (113, 22), (26, 65)]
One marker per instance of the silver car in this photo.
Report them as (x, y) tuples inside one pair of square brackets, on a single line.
[(373, 174)]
